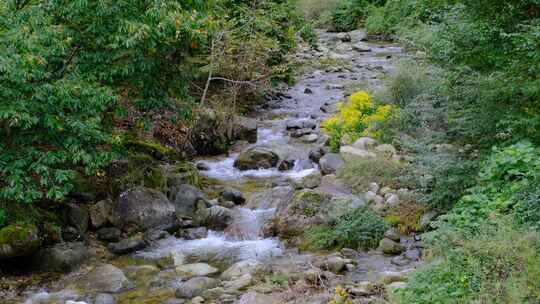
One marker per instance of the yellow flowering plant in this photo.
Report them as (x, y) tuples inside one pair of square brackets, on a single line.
[(357, 117), (341, 296)]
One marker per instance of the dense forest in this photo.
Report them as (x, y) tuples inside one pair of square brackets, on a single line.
[(98, 97)]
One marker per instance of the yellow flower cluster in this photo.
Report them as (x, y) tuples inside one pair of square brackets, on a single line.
[(357, 117), (341, 297)]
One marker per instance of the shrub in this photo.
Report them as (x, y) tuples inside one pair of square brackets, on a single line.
[(359, 174), (3, 218), (357, 117), (360, 228), (406, 217), (500, 264)]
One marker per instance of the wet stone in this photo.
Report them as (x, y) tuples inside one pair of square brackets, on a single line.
[(109, 234)]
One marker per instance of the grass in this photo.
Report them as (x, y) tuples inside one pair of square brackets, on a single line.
[(359, 174)]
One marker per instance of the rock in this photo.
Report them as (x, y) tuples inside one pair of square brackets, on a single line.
[(195, 287), (361, 48), (256, 158), (385, 190), (301, 132), (70, 234), (365, 143), (212, 294), (193, 233), (370, 196), (395, 286), (308, 91), (127, 246), (374, 187), (104, 298), (239, 283), (390, 247), (242, 268), (427, 218), (245, 129), (257, 298), (76, 216), (175, 301), (400, 261), (311, 138), (216, 217), (184, 198), (109, 234), (344, 37), (177, 258), (310, 181), (392, 234), (233, 195), (316, 154), (335, 264), (105, 278), (330, 163), (202, 167), (304, 123), (413, 254), (392, 200), (306, 209), (61, 257), (143, 208), (351, 154), (196, 270), (18, 240), (272, 198), (389, 277), (286, 165), (155, 235), (349, 253), (197, 300), (362, 289), (100, 213), (386, 149)]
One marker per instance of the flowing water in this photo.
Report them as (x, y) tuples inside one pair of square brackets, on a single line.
[(347, 69)]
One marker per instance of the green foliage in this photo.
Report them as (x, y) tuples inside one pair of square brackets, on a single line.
[(500, 264), (359, 228), (3, 218), (359, 174)]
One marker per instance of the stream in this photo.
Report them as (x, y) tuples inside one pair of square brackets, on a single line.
[(333, 70)]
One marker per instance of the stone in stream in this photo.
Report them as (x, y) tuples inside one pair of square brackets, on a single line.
[(61, 257), (302, 123), (105, 278), (316, 154), (155, 235), (239, 283), (127, 246), (193, 233), (245, 129), (202, 167), (361, 48), (184, 198), (311, 138), (271, 198), (216, 217), (242, 268), (330, 163), (391, 247), (308, 91), (104, 298), (109, 234), (196, 270), (286, 165), (18, 240), (301, 132), (233, 195), (142, 208), (413, 254), (306, 209), (195, 287), (310, 181), (256, 158)]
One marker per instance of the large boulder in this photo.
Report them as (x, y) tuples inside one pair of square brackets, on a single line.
[(233, 195), (216, 217), (391, 247), (141, 209), (76, 216), (256, 158), (195, 287), (18, 240), (306, 209), (127, 245), (351, 154), (303, 123), (245, 129), (62, 257), (271, 198), (105, 278), (100, 213), (184, 198), (330, 163)]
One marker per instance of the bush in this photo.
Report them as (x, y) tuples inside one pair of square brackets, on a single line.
[(3, 218), (500, 264), (357, 117), (406, 217), (359, 228), (359, 174)]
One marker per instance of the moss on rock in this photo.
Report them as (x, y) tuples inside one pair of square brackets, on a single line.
[(18, 240)]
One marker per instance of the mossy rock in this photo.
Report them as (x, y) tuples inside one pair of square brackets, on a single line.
[(18, 240), (152, 148)]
